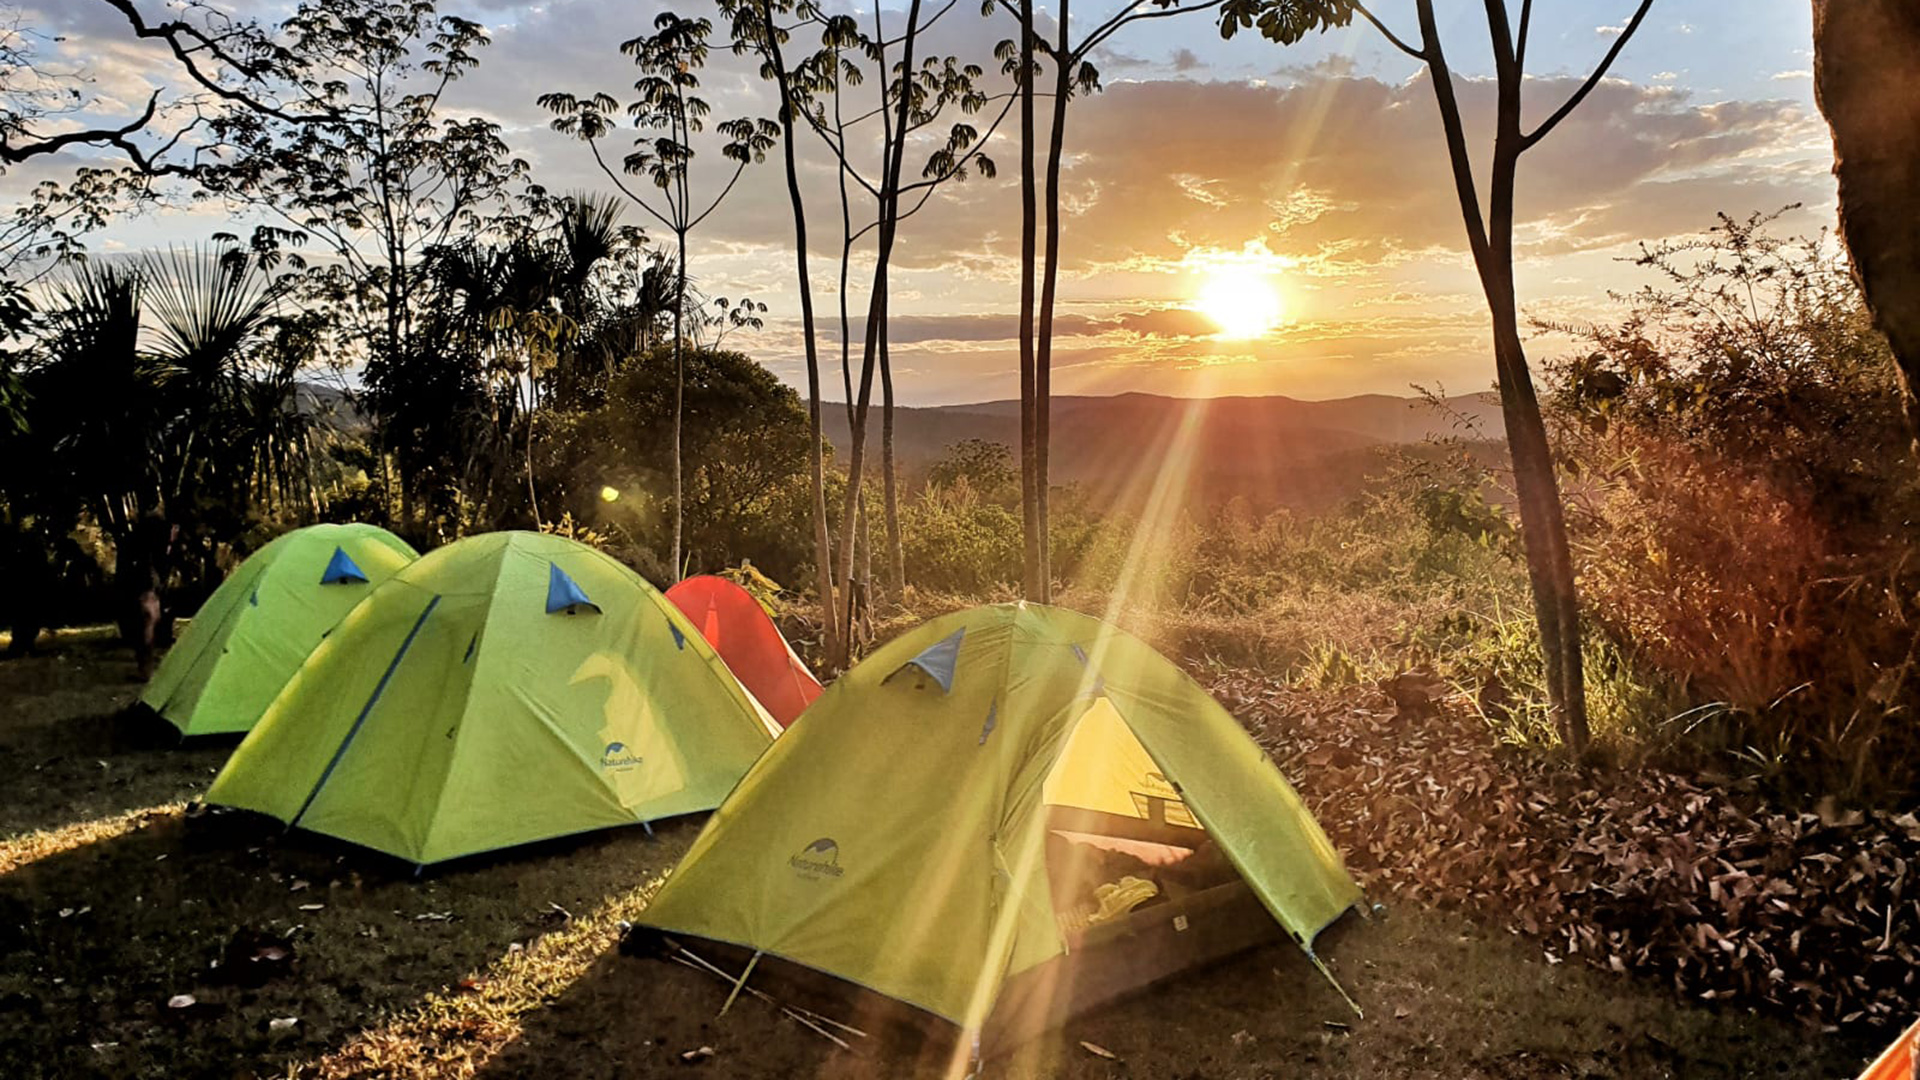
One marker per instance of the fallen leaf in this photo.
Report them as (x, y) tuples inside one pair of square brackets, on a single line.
[(282, 1023), (1098, 1051), (180, 1001), (696, 1056)]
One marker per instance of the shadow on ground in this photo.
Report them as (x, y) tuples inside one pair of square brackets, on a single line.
[(255, 926), (1444, 1000), (101, 927)]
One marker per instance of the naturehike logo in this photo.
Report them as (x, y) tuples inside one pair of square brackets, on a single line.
[(820, 858), (617, 756)]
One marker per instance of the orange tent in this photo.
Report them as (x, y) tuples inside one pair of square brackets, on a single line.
[(1898, 1063), (734, 623)]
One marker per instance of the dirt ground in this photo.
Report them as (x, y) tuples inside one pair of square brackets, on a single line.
[(120, 898)]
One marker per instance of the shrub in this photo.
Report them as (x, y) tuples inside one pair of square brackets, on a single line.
[(1738, 454)]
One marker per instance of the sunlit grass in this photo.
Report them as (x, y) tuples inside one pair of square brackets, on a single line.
[(28, 848)]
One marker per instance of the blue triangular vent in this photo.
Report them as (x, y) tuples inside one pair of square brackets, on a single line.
[(342, 570), (679, 639), (563, 593), (939, 658), (993, 711)]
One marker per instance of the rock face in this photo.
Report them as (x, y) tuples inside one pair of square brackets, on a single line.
[(1866, 72)]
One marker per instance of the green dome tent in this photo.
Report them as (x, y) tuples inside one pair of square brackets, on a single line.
[(1002, 818), (506, 688), (253, 633)]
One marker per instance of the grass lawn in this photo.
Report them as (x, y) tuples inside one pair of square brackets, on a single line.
[(118, 896)]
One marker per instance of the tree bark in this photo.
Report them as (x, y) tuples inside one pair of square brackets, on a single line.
[(876, 311), (1043, 359), (816, 444), (679, 399), (896, 555), (1031, 582), (1542, 520), (1867, 84)]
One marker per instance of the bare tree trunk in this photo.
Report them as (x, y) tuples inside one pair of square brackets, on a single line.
[(1032, 585), (1043, 361), (1869, 90), (1542, 519), (876, 311), (896, 564), (679, 399), (816, 448), (533, 496)]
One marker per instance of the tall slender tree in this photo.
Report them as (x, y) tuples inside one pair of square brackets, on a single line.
[(759, 28), (1073, 74), (669, 112), (1490, 238), (913, 97)]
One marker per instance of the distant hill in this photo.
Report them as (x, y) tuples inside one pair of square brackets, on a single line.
[(1273, 451)]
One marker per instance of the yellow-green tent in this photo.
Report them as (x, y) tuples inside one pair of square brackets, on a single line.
[(257, 628), (506, 688), (905, 834)]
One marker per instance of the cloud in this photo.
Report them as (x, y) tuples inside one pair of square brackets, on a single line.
[(1332, 178)]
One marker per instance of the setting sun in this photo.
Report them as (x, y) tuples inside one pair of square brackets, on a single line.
[(1243, 304)]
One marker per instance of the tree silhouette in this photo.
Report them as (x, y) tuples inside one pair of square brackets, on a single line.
[(1073, 72), (914, 95), (669, 112), (386, 180)]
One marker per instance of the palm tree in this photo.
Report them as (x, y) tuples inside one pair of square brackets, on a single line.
[(95, 424), (208, 314)]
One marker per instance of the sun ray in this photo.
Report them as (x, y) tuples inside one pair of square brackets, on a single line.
[(29, 848)]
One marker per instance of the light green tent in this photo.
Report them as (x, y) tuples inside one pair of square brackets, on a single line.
[(931, 827), (253, 633), (506, 688)]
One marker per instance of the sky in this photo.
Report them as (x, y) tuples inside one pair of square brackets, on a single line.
[(1238, 217)]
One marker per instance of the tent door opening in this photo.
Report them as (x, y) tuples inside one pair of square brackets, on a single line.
[(1139, 890), (1119, 837)]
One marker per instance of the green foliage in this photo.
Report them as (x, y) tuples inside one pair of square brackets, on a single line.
[(957, 541), (1284, 21), (745, 438), (984, 466)]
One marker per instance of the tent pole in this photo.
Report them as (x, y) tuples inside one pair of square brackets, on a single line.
[(740, 985), (1311, 955)]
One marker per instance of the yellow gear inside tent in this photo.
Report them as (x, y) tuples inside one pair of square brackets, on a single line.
[(1003, 818), (506, 688)]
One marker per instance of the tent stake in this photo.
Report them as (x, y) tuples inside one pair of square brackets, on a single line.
[(688, 957), (738, 986), (1336, 984), (648, 825)]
